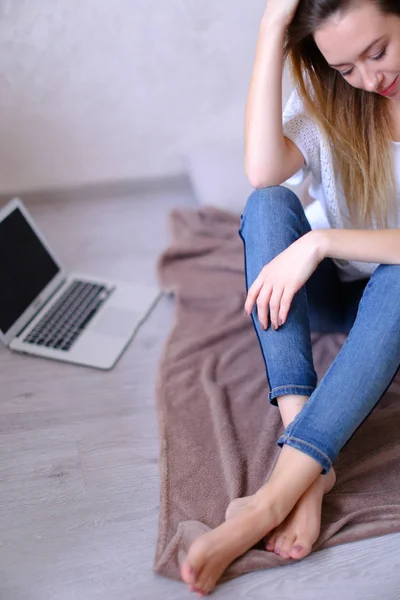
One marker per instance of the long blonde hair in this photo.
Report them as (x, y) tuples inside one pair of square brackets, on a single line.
[(356, 123)]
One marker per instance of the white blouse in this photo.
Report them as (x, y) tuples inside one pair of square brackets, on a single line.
[(329, 209)]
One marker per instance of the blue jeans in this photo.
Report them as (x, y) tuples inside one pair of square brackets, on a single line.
[(367, 310)]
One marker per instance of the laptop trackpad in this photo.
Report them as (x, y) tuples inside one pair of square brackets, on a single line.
[(116, 322)]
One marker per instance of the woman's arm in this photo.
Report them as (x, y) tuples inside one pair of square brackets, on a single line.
[(377, 246), (280, 279), (270, 158)]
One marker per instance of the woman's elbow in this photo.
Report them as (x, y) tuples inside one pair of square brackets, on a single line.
[(261, 179)]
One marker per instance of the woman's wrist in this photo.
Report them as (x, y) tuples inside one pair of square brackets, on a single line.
[(320, 242), (271, 23)]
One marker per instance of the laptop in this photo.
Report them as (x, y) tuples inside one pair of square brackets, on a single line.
[(46, 312)]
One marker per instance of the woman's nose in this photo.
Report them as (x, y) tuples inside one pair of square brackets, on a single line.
[(372, 80)]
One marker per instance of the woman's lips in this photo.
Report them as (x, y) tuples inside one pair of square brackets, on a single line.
[(388, 91)]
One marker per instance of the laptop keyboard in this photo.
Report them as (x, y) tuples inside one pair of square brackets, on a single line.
[(64, 322)]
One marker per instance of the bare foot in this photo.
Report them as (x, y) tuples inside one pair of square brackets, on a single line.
[(214, 551), (295, 536)]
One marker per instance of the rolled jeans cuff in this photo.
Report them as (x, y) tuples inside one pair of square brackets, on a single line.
[(307, 448), (284, 390)]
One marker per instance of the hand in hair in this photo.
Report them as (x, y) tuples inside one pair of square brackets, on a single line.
[(281, 11)]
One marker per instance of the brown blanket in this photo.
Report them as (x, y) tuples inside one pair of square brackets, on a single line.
[(218, 431)]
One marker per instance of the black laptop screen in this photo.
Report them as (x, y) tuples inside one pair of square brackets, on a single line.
[(26, 268)]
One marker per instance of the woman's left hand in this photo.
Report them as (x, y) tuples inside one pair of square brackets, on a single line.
[(281, 278)]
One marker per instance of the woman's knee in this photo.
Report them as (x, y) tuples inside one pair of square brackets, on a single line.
[(273, 209), (271, 201), (382, 293), (388, 278)]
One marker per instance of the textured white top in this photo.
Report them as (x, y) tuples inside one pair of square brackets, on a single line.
[(325, 185)]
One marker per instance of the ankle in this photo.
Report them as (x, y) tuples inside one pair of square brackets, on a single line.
[(266, 502), (290, 406), (329, 480)]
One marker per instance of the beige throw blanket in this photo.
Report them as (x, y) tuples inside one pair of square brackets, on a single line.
[(218, 431)]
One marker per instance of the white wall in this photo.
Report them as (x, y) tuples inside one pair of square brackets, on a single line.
[(103, 90)]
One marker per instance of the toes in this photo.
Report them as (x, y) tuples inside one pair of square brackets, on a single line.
[(205, 585), (188, 574), (269, 546), (280, 541), (208, 586), (192, 570), (300, 550), (287, 544), (194, 588), (270, 543), (197, 589)]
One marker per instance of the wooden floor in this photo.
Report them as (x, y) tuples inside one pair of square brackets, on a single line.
[(79, 487)]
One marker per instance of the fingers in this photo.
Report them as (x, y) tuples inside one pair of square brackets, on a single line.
[(262, 305), (272, 302), (252, 295), (285, 304), (274, 306)]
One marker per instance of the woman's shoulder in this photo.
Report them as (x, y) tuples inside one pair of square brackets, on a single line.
[(297, 122), (296, 118), (304, 131), (295, 106)]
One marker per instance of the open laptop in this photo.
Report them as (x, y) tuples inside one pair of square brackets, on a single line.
[(43, 311)]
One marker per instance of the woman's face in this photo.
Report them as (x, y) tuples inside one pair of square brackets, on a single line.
[(363, 44)]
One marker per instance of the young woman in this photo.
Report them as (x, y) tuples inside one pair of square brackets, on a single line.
[(342, 125)]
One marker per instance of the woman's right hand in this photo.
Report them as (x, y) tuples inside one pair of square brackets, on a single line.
[(281, 11)]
